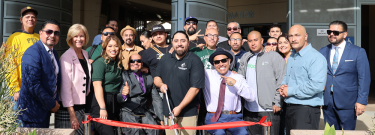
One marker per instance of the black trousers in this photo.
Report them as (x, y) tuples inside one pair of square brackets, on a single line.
[(302, 117), (256, 116), (112, 111)]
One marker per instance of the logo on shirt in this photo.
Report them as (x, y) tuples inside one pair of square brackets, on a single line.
[(183, 66), (250, 66), (159, 56), (265, 63)]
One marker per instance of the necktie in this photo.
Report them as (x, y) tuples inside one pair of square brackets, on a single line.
[(54, 71), (220, 103), (140, 80), (335, 63)]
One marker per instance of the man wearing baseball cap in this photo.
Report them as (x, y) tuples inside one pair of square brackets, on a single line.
[(222, 93), (152, 55), (191, 26), (17, 43), (128, 34)]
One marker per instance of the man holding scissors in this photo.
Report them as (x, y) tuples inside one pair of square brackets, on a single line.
[(180, 75)]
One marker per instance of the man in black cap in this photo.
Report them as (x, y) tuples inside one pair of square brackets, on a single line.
[(191, 26), (152, 55), (223, 91), (19, 41), (180, 75)]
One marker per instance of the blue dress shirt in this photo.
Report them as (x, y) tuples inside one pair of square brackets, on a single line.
[(305, 77)]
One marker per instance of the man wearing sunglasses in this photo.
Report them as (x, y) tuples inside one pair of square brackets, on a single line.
[(191, 26), (348, 79), (222, 93), (19, 41), (41, 78), (264, 73), (96, 50), (137, 91), (232, 28)]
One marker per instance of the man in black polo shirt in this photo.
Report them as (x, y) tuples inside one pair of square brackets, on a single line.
[(191, 26), (180, 75)]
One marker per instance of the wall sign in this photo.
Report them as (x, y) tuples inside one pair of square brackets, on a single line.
[(321, 32), (241, 14)]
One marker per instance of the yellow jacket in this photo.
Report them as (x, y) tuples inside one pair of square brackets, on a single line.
[(20, 40)]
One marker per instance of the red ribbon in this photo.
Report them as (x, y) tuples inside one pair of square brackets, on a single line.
[(225, 125)]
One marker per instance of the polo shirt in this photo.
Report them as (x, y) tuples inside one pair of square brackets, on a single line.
[(151, 58), (127, 53), (97, 52), (109, 74), (180, 75)]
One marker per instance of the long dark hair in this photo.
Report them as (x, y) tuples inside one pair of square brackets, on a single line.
[(284, 35), (147, 34)]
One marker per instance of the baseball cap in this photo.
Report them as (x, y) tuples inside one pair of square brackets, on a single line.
[(191, 18), (27, 9), (156, 28)]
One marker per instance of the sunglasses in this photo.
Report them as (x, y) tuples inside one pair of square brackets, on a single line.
[(234, 28), (110, 33), (336, 33), (222, 61), (49, 32), (191, 22), (273, 43), (135, 60)]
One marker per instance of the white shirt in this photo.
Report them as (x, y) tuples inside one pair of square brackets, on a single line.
[(55, 61), (232, 100), (341, 50), (251, 77)]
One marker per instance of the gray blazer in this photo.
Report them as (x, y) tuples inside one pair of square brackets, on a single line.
[(137, 100), (270, 70)]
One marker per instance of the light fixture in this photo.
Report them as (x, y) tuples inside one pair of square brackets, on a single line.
[(303, 11)]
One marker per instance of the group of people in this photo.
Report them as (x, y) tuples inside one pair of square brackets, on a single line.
[(197, 80)]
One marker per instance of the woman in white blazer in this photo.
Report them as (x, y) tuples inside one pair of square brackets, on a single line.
[(75, 81)]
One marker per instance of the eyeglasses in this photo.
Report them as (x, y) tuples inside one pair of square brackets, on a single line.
[(191, 22), (234, 28), (222, 61), (336, 33), (110, 33), (49, 32), (135, 60), (273, 43), (128, 35), (210, 36), (235, 39)]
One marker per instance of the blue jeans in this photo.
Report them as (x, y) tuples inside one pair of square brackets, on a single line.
[(226, 118), (15, 108)]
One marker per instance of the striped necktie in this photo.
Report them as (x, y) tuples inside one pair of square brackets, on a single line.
[(54, 71)]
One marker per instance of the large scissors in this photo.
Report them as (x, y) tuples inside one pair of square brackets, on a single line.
[(170, 111)]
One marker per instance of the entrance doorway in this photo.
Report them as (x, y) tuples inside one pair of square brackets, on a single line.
[(367, 31)]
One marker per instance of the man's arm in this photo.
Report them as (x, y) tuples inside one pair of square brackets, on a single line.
[(317, 75), (243, 89), (190, 95), (31, 72), (364, 77), (157, 102), (279, 68)]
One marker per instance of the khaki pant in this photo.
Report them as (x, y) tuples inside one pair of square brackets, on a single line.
[(183, 122)]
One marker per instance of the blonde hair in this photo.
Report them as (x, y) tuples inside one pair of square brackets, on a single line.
[(74, 30), (104, 52)]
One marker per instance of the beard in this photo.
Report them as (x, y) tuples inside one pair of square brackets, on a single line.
[(236, 49), (128, 41), (192, 32), (181, 52), (338, 41)]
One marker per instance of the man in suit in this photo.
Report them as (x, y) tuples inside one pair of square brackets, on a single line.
[(137, 90), (40, 78), (348, 79)]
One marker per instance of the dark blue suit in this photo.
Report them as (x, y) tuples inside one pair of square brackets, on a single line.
[(37, 86), (351, 84)]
